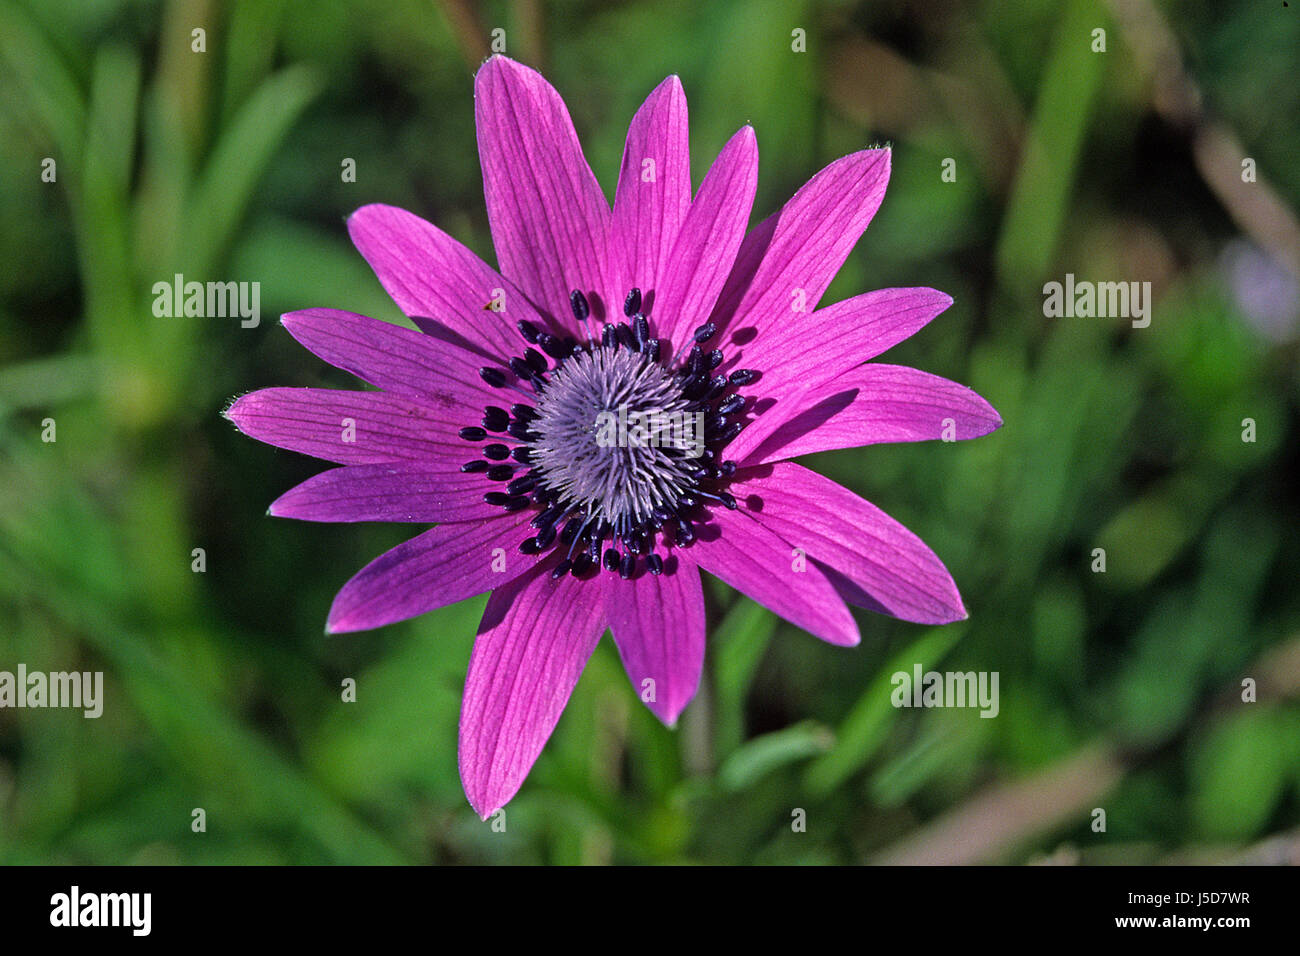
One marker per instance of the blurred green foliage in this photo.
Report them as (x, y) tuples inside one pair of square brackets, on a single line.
[(222, 692)]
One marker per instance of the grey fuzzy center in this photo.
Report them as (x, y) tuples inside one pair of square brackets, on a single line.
[(611, 427)]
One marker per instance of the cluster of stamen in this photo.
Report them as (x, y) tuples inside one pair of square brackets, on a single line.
[(600, 502)]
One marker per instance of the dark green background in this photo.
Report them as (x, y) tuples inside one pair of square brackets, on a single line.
[(1119, 690)]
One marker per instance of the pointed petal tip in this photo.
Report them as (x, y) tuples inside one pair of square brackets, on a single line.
[(231, 412), (955, 612), (672, 82), (497, 62), (476, 796), (672, 715), (336, 623), (295, 320), (849, 638), (363, 214), (358, 211), (342, 623), (483, 810)]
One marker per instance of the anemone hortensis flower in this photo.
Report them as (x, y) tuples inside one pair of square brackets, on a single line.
[(488, 421)]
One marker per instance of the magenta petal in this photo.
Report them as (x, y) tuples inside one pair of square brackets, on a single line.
[(438, 282), (395, 359), (872, 404), (441, 566), (549, 219), (756, 561), (706, 248), (394, 491), (534, 641), (890, 569), (350, 428), (790, 258), (658, 625), (810, 351), (654, 189)]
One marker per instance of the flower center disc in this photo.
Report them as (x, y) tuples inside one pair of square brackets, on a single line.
[(615, 436)]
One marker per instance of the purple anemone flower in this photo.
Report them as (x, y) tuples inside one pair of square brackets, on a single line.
[(612, 412)]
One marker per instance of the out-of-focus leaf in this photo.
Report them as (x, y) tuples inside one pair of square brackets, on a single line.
[(46, 80), (1239, 771), (239, 158), (868, 723), (737, 645), (1040, 199), (758, 757), (250, 50)]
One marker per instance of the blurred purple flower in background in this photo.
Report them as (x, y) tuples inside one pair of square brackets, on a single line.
[(490, 421), (1266, 292)]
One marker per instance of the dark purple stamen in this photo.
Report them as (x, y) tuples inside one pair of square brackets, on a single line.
[(521, 486), (731, 431), (536, 361), (695, 360), (632, 304), (493, 376), (552, 346), (578, 302), (732, 403)]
